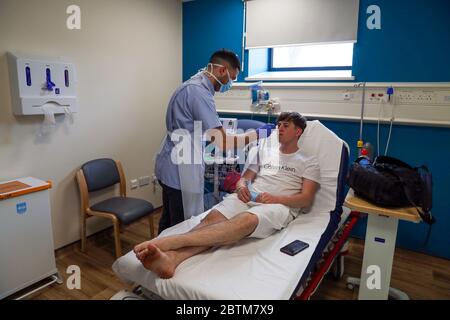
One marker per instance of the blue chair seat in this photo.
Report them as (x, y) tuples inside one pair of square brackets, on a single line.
[(126, 209)]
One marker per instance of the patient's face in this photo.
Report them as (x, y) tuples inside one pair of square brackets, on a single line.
[(288, 132)]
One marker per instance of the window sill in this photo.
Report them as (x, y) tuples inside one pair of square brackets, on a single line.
[(303, 75)]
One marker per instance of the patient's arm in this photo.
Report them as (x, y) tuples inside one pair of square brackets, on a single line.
[(241, 186), (302, 199)]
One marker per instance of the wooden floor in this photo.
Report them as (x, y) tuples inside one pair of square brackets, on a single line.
[(419, 275)]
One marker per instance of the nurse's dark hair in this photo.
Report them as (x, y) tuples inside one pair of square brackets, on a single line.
[(295, 117), (228, 56)]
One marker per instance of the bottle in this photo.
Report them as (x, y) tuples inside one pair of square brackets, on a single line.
[(255, 89), (253, 193), (363, 161), (367, 151)]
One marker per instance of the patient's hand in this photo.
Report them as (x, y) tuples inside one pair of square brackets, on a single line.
[(243, 194), (265, 197)]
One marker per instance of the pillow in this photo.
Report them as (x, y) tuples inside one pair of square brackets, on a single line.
[(326, 146)]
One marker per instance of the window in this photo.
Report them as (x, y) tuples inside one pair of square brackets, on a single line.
[(300, 39), (312, 57), (302, 62)]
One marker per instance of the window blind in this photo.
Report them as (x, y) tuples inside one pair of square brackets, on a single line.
[(272, 23)]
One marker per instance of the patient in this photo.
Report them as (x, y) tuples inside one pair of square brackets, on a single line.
[(273, 191)]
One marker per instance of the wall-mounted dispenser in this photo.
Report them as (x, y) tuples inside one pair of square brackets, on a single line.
[(41, 85)]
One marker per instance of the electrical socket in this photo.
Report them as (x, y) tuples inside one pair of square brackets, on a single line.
[(377, 96), (347, 95), (419, 97), (134, 184), (144, 181)]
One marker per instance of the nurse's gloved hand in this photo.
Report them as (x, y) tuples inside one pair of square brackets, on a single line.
[(265, 131)]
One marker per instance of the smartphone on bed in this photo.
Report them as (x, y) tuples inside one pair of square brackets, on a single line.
[(294, 247)]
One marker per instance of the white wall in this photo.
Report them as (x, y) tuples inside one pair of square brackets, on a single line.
[(128, 62)]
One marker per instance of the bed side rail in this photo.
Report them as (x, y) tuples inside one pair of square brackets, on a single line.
[(317, 276)]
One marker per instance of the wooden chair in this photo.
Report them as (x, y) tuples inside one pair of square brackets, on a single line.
[(100, 174)]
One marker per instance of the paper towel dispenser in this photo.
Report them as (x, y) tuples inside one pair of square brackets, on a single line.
[(38, 82)]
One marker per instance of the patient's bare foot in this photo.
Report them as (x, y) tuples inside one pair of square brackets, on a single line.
[(141, 255), (141, 250), (141, 247), (161, 263)]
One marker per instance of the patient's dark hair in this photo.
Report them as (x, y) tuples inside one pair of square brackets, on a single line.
[(228, 56), (295, 117)]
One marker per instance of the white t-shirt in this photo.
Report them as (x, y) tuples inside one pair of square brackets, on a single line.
[(279, 173)]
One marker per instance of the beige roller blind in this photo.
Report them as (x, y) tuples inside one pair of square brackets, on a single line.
[(272, 23)]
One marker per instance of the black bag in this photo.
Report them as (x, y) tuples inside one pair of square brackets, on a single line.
[(389, 182)]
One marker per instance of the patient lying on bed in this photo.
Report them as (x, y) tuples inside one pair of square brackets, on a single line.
[(272, 192)]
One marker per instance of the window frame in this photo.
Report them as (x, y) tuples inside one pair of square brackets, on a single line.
[(271, 68)]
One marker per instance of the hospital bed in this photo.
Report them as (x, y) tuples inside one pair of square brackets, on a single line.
[(255, 268)]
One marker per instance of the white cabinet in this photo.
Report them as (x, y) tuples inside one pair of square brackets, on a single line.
[(26, 237)]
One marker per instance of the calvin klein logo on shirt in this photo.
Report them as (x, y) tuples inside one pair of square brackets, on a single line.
[(269, 166)]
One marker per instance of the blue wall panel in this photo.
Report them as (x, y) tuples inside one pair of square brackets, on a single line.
[(413, 44), (209, 25)]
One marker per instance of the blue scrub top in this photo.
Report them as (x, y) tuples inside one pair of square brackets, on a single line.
[(192, 101)]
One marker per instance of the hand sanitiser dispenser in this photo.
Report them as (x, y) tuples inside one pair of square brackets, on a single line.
[(40, 85)]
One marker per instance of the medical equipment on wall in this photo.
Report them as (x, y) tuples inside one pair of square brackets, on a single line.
[(259, 96), (42, 86), (360, 143), (365, 149), (383, 100), (261, 101), (389, 92), (26, 236)]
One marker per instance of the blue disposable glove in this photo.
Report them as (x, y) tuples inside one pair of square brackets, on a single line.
[(265, 131), (253, 193)]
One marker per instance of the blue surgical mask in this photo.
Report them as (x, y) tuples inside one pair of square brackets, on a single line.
[(227, 86), (224, 87)]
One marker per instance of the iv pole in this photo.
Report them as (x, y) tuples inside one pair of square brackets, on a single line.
[(360, 141)]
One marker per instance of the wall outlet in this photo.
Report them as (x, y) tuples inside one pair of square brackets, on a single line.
[(417, 97), (377, 96), (347, 95), (144, 181), (134, 184)]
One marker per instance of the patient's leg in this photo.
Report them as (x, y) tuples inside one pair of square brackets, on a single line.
[(184, 246), (213, 217), (218, 234)]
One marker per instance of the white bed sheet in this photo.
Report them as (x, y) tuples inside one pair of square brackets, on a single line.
[(253, 269)]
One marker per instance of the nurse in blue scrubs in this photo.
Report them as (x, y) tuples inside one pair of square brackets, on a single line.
[(190, 113)]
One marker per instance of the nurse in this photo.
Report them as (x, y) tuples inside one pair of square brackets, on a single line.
[(192, 112)]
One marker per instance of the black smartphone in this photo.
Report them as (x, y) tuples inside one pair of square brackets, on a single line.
[(294, 247)]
